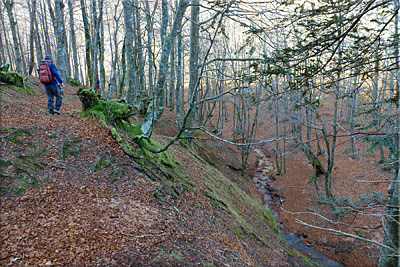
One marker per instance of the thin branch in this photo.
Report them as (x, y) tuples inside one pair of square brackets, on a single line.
[(337, 232)]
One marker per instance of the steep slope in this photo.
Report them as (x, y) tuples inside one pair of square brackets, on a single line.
[(70, 196)]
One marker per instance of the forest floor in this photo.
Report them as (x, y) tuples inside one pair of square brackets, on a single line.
[(60, 208)]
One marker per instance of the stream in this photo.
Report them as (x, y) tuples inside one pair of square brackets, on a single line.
[(273, 201)]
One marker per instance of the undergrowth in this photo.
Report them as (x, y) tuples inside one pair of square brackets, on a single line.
[(343, 206)]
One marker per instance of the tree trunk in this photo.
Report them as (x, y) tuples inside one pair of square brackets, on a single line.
[(101, 48), (390, 257), (123, 67), (193, 60), (178, 80), (38, 45), (60, 38), (7, 43), (9, 4), (150, 54), (97, 50), (2, 54), (45, 27), (2, 46), (87, 42), (73, 39), (172, 74), (32, 12), (130, 58), (115, 58), (140, 78), (155, 110)]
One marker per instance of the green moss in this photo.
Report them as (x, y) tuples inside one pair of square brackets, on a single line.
[(229, 196), (294, 253), (237, 231), (70, 148), (16, 133), (29, 90), (115, 134), (6, 129), (21, 186), (4, 189), (228, 193), (73, 82), (12, 78), (262, 257), (103, 123), (98, 164), (163, 256), (5, 162)]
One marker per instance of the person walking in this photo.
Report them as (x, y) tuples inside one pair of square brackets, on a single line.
[(50, 78)]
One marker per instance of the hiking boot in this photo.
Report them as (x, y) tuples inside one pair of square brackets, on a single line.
[(57, 112)]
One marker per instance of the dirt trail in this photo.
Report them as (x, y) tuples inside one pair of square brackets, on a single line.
[(77, 216)]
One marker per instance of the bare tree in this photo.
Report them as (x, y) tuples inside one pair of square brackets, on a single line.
[(88, 44), (73, 39), (32, 9), (60, 34), (140, 65), (130, 57), (193, 60), (48, 48), (155, 110), (115, 54), (389, 254), (150, 54), (9, 5)]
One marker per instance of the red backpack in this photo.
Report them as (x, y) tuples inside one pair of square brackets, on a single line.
[(45, 75)]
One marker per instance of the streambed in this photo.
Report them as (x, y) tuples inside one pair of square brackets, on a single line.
[(273, 201)]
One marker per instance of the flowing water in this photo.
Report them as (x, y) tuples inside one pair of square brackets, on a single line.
[(297, 242)]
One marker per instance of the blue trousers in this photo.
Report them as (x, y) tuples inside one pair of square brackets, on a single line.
[(52, 92)]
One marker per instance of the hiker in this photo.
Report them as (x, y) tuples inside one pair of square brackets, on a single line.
[(50, 78), (98, 85)]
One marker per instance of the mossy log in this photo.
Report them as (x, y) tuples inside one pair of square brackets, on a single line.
[(115, 114), (12, 78), (115, 109)]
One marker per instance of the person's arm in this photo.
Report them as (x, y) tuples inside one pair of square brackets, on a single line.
[(55, 73)]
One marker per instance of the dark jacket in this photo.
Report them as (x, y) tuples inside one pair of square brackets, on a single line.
[(55, 74)]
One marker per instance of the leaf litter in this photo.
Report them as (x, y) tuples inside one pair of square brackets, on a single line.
[(108, 216)]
